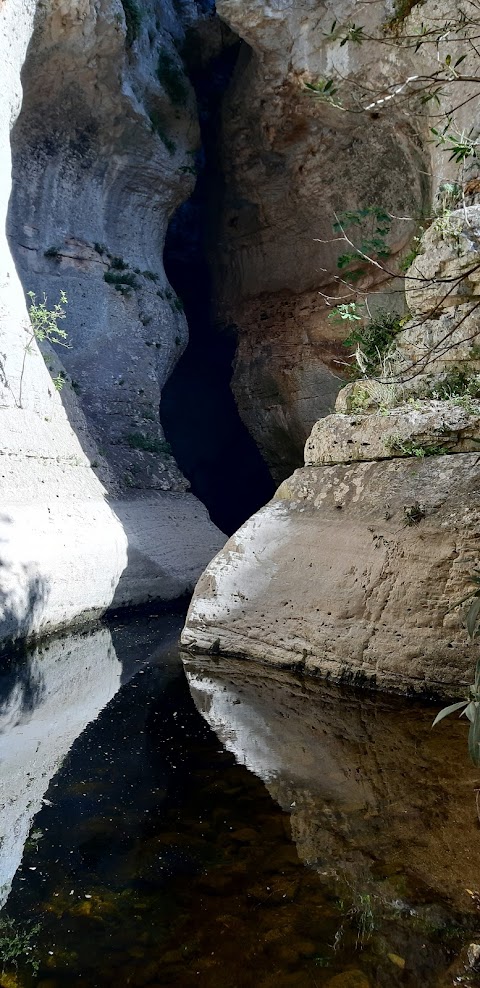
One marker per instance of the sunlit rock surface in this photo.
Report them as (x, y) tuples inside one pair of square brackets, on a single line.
[(88, 164), (352, 571), (61, 548), (432, 427)]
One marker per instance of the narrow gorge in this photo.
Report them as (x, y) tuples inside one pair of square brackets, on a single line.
[(183, 176), (239, 493)]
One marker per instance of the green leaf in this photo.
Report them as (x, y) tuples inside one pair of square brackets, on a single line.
[(449, 710), (472, 615), (477, 677), (345, 259), (474, 737), (469, 711)]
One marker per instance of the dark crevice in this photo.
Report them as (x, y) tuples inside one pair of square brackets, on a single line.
[(201, 421)]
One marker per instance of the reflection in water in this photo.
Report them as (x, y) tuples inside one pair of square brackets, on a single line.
[(46, 701), (162, 858), (368, 784)]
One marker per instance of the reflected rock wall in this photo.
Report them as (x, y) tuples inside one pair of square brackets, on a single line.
[(45, 703), (371, 789)]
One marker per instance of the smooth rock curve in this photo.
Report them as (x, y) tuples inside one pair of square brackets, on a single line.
[(352, 572)]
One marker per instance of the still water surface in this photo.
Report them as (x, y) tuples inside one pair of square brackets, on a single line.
[(229, 827)]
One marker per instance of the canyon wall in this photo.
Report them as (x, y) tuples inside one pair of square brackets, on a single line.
[(95, 177), (291, 163), (359, 568)]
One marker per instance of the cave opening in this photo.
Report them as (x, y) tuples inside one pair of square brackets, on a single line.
[(211, 445)]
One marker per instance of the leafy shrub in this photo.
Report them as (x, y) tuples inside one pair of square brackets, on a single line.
[(149, 444), (170, 76), (133, 20), (370, 227), (118, 264), (456, 383), (470, 707), (121, 280), (158, 127), (45, 321), (374, 339), (323, 89), (17, 944), (415, 250)]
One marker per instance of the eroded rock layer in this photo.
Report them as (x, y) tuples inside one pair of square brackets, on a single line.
[(351, 572), (91, 182)]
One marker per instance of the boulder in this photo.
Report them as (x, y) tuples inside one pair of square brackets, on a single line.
[(353, 572)]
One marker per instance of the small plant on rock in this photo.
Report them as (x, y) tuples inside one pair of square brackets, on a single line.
[(148, 444), (118, 264), (372, 342), (17, 944), (171, 78), (52, 252), (470, 706), (408, 447), (45, 321), (122, 281), (133, 20), (158, 127), (44, 326), (413, 514)]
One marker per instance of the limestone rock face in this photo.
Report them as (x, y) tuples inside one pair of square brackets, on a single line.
[(291, 163), (358, 567), (101, 159), (430, 427), (438, 350), (352, 572), (63, 548)]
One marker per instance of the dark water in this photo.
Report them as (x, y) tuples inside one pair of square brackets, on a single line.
[(311, 839)]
